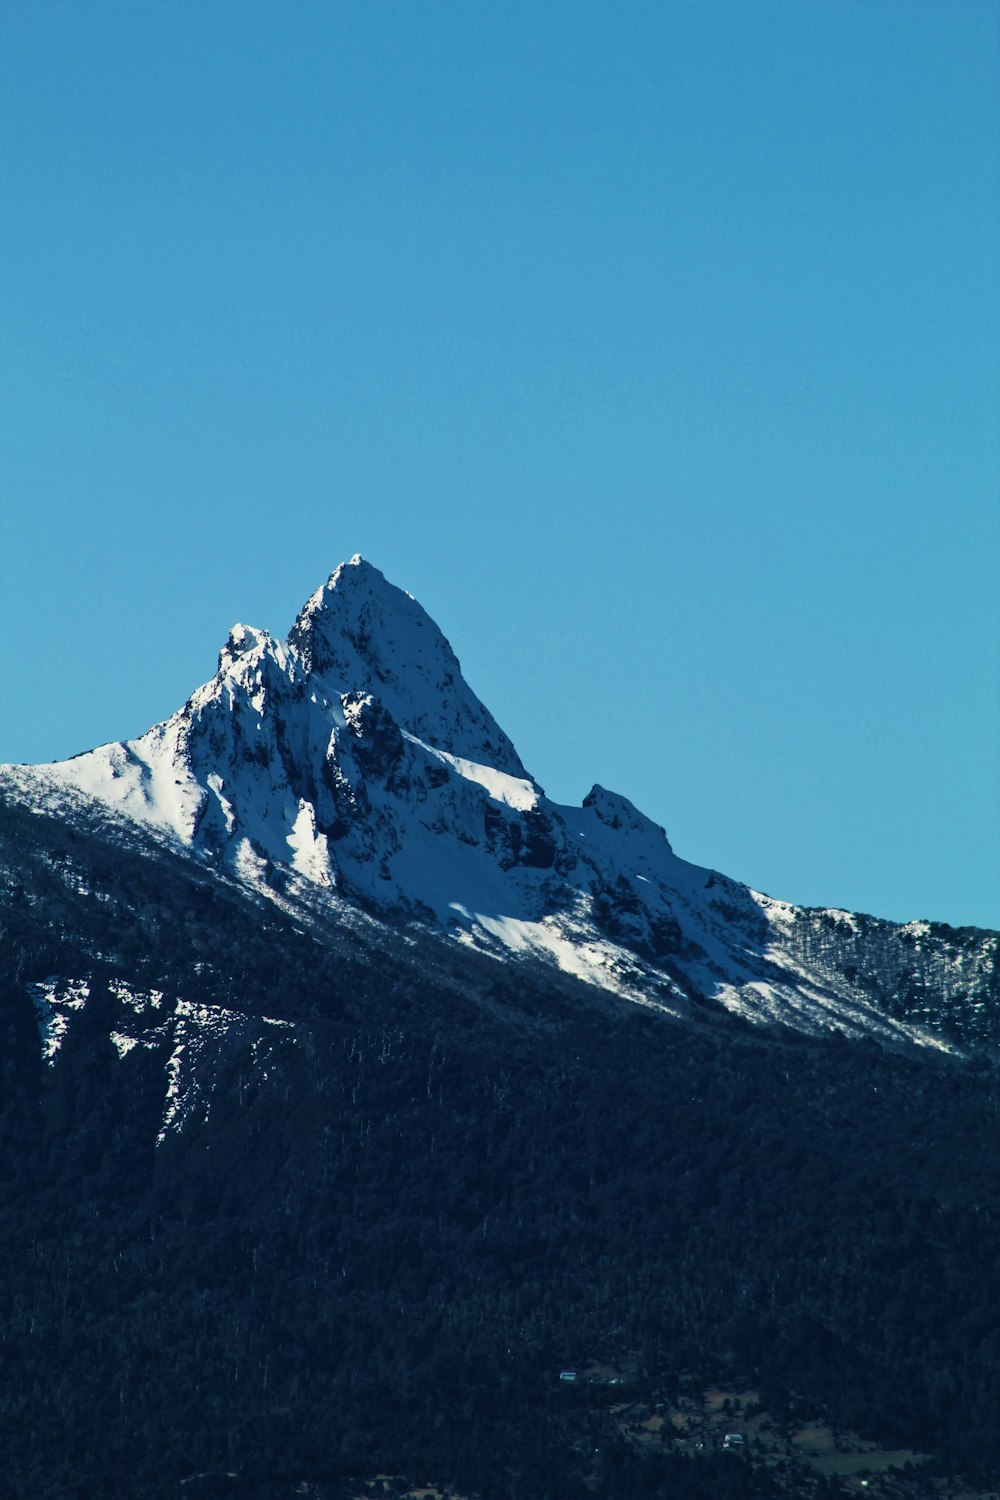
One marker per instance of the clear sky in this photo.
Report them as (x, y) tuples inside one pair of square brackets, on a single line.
[(654, 347)]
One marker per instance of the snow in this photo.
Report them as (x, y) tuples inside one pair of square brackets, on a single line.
[(572, 947), (141, 1002), (267, 765), (202, 1036), (55, 1000), (843, 918), (513, 791), (146, 780), (216, 784), (361, 633), (811, 1009), (779, 913), (249, 864), (593, 962), (196, 1038), (310, 850)]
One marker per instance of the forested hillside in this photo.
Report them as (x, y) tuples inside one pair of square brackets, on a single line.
[(376, 1251)]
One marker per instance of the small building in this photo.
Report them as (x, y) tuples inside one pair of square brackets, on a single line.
[(734, 1440), (569, 1376)]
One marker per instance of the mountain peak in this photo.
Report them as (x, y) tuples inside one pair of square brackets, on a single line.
[(241, 640), (353, 765), (360, 633)]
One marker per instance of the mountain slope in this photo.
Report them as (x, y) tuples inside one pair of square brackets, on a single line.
[(352, 767), (290, 1199), (350, 1089)]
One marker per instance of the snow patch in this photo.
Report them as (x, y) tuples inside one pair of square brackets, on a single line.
[(513, 791), (215, 784), (310, 849), (55, 1000), (843, 918), (139, 1001)]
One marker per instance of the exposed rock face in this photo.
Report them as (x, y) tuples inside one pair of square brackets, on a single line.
[(361, 633), (353, 762)]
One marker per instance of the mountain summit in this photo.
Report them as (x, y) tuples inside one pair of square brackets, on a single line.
[(357, 1090), (351, 768), (361, 633)]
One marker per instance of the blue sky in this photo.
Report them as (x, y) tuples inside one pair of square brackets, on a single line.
[(655, 348)]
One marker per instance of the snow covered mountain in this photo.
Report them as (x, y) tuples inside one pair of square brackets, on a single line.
[(351, 769)]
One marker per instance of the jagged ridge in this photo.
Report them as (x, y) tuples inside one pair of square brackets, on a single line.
[(353, 763)]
